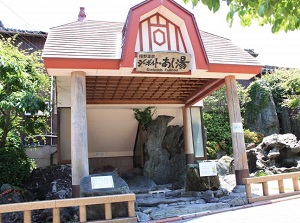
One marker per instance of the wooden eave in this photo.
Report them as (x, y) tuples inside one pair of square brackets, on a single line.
[(148, 90)]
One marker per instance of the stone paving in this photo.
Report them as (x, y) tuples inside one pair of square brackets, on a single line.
[(215, 211)]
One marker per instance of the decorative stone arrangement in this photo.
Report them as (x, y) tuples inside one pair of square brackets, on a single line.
[(275, 154), (164, 147)]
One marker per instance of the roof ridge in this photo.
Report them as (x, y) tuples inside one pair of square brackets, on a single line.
[(215, 35), (85, 21)]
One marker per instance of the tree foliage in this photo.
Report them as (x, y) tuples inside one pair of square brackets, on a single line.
[(216, 120), (24, 87), (285, 88), (18, 171), (280, 14), (144, 116)]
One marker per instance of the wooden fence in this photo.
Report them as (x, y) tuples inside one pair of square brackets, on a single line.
[(281, 187), (55, 205)]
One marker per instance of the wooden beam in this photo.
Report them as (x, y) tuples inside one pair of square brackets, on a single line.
[(134, 101), (237, 132), (210, 87)]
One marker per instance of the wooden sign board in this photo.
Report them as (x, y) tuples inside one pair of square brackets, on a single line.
[(163, 62), (101, 182), (208, 169)]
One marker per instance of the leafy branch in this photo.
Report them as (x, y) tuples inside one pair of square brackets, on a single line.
[(144, 116)]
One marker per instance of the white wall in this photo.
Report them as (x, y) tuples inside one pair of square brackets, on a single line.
[(111, 129)]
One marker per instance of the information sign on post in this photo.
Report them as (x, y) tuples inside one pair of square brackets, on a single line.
[(101, 182), (208, 169)]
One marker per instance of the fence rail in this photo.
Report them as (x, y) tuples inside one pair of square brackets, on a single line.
[(264, 181), (55, 205)]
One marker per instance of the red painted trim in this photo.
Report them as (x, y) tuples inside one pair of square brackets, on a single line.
[(71, 63), (157, 25), (182, 40), (133, 20), (193, 31), (168, 34), (150, 35), (154, 36), (141, 37), (176, 37), (232, 68)]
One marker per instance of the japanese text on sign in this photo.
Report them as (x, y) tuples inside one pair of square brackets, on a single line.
[(100, 182), (164, 62), (208, 169)]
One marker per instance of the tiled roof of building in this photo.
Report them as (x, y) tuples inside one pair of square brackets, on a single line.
[(103, 40), (21, 31), (221, 50), (85, 39)]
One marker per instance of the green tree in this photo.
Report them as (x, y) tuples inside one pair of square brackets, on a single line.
[(216, 121), (280, 14), (24, 87), (292, 89), (285, 88)]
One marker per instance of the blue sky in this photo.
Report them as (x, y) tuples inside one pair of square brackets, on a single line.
[(281, 49)]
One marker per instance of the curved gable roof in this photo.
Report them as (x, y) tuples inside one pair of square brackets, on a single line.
[(135, 16)]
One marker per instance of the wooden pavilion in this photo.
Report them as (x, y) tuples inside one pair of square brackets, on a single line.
[(157, 57)]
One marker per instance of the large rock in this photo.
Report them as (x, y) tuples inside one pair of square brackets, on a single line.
[(50, 182), (96, 212), (289, 121), (275, 151), (47, 183), (141, 184), (265, 120), (196, 183), (225, 166), (11, 194), (164, 148)]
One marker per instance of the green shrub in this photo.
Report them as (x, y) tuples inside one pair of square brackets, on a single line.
[(253, 137), (260, 173), (216, 121), (144, 116), (15, 166), (218, 134)]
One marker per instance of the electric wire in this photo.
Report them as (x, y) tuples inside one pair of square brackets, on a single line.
[(19, 33), (19, 16)]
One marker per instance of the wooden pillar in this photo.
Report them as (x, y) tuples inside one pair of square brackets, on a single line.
[(188, 136), (237, 133), (79, 143)]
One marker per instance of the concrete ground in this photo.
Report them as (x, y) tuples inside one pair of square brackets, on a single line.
[(283, 211)]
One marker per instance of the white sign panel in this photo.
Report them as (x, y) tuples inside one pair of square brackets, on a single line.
[(237, 127), (208, 169), (101, 182)]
